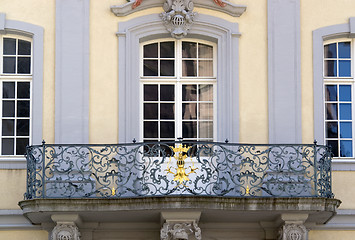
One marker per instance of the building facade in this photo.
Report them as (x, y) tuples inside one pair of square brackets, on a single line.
[(177, 119)]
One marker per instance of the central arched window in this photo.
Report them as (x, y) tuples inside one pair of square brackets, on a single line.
[(178, 90)]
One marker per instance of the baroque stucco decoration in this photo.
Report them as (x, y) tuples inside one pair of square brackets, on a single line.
[(65, 231), (293, 232), (180, 230)]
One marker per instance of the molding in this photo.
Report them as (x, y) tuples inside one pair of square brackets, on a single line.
[(13, 163), (229, 8), (343, 220), (284, 72), (343, 165), (352, 27), (206, 27), (2, 22), (14, 220), (72, 72)]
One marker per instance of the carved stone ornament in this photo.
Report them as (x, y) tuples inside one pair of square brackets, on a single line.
[(65, 232), (175, 231), (293, 232), (178, 16)]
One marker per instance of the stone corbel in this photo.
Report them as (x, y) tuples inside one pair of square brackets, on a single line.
[(180, 225), (293, 227), (66, 227)]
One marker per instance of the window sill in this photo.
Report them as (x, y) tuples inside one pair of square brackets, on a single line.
[(9, 162), (343, 164)]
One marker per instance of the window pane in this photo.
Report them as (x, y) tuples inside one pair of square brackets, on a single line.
[(345, 111), (167, 111), (21, 144), (189, 92), (24, 47), (189, 111), (150, 68), (332, 130), (330, 68), (344, 50), (346, 149), (345, 130), (23, 108), (189, 129), (167, 50), (167, 68), (330, 50), (167, 129), (206, 130), (334, 147), (167, 93), (150, 111), (205, 68), (189, 68), (7, 146), (205, 51), (150, 129), (23, 90), (23, 127), (344, 68), (8, 108), (9, 46), (8, 90), (331, 93), (206, 111), (332, 111), (189, 50), (205, 92), (150, 92), (9, 65), (8, 127), (345, 93), (24, 65), (150, 50)]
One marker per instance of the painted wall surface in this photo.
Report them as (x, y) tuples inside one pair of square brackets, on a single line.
[(331, 235), (342, 188), (20, 235), (11, 192)]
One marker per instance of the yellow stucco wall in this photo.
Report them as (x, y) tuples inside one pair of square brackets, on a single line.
[(343, 188), (12, 188), (331, 235), (21, 235)]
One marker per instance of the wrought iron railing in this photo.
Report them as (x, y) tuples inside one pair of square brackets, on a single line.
[(178, 168)]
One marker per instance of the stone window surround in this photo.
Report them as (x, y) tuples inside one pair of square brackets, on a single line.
[(225, 34), (36, 33)]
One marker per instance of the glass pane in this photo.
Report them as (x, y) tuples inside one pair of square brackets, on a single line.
[(205, 68), (167, 68), (167, 129), (8, 90), (167, 111), (345, 111), (23, 90), (331, 93), (332, 130), (23, 108), (150, 92), (150, 68), (24, 47), (150, 129), (150, 50), (8, 127), (346, 148), (330, 50), (205, 92), (334, 147), (167, 50), (206, 130), (206, 111), (205, 51), (189, 111), (189, 92), (344, 50), (345, 130), (9, 46), (150, 111), (9, 65), (8, 108), (7, 146), (345, 93), (189, 129), (189, 68), (189, 50), (21, 144), (23, 127), (167, 93), (332, 111), (330, 68), (24, 65), (344, 68)]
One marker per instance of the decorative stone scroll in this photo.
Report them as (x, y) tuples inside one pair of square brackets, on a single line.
[(180, 230), (65, 231), (293, 232)]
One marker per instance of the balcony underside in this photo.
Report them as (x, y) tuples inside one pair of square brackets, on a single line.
[(212, 209)]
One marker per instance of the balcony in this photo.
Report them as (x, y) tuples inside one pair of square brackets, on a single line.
[(140, 182)]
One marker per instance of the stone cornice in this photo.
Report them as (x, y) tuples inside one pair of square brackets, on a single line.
[(234, 10)]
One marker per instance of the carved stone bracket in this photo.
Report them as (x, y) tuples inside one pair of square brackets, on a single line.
[(65, 231), (293, 232), (180, 230)]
